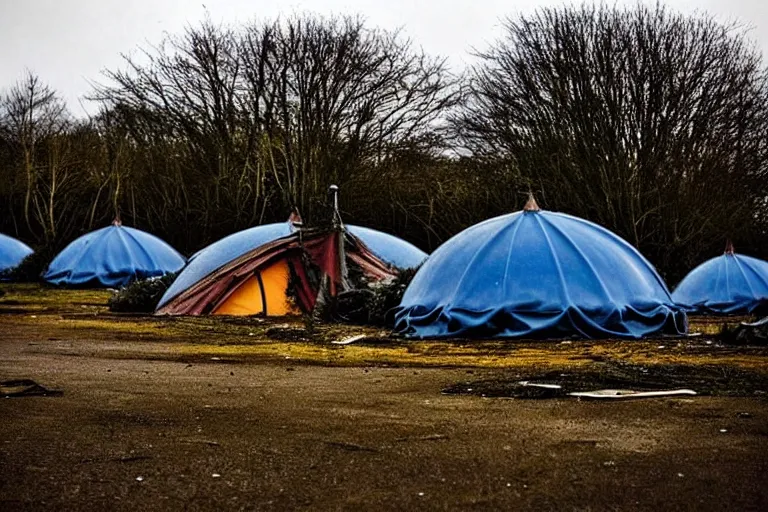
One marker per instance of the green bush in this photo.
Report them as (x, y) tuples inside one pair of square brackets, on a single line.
[(141, 296), (373, 303), (386, 297), (31, 268)]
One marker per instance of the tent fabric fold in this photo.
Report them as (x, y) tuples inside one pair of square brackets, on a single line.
[(537, 274)]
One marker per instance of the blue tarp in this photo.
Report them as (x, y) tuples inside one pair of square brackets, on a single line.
[(12, 251), (731, 284), (391, 249), (537, 274), (112, 257)]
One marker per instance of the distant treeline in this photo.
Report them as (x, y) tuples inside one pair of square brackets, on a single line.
[(650, 123)]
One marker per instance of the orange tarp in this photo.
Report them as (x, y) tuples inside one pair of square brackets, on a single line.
[(247, 299)]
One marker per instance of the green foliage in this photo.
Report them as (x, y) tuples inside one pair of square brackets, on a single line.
[(374, 303), (141, 296), (386, 297)]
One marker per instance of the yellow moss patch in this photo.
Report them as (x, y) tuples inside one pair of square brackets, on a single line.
[(140, 328), (713, 325), (425, 355), (33, 297)]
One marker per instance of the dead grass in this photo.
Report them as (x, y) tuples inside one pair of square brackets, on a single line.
[(27, 298), (713, 325), (84, 314)]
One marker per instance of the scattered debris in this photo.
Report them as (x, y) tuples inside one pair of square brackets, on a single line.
[(539, 385), (25, 387), (746, 333), (349, 340), (614, 394), (216, 475), (706, 380), (139, 478), (515, 389)]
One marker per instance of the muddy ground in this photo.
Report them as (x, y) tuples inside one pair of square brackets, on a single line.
[(217, 414)]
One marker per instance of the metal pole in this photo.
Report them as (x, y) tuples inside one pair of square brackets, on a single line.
[(336, 215)]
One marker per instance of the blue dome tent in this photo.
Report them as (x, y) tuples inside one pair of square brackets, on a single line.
[(112, 257), (12, 252), (537, 274), (731, 284)]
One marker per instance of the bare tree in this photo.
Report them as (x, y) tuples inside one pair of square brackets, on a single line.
[(30, 113), (182, 98), (334, 95), (277, 111), (649, 122)]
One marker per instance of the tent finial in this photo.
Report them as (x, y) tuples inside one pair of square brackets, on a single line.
[(117, 221), (531, 205), (294, 219), (729, 247)]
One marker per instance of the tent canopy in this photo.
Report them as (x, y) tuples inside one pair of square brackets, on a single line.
[(112, 257), (12, 252), (731, 284), (390, 249), (537, 274)]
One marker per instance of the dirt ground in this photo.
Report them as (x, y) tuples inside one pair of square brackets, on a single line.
[(217, 414)]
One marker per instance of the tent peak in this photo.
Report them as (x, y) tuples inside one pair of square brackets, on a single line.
[(294, 219), (729, 247), (531, 205), (116, 221)]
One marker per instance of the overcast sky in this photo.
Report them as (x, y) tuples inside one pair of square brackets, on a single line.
[(69, 42)]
